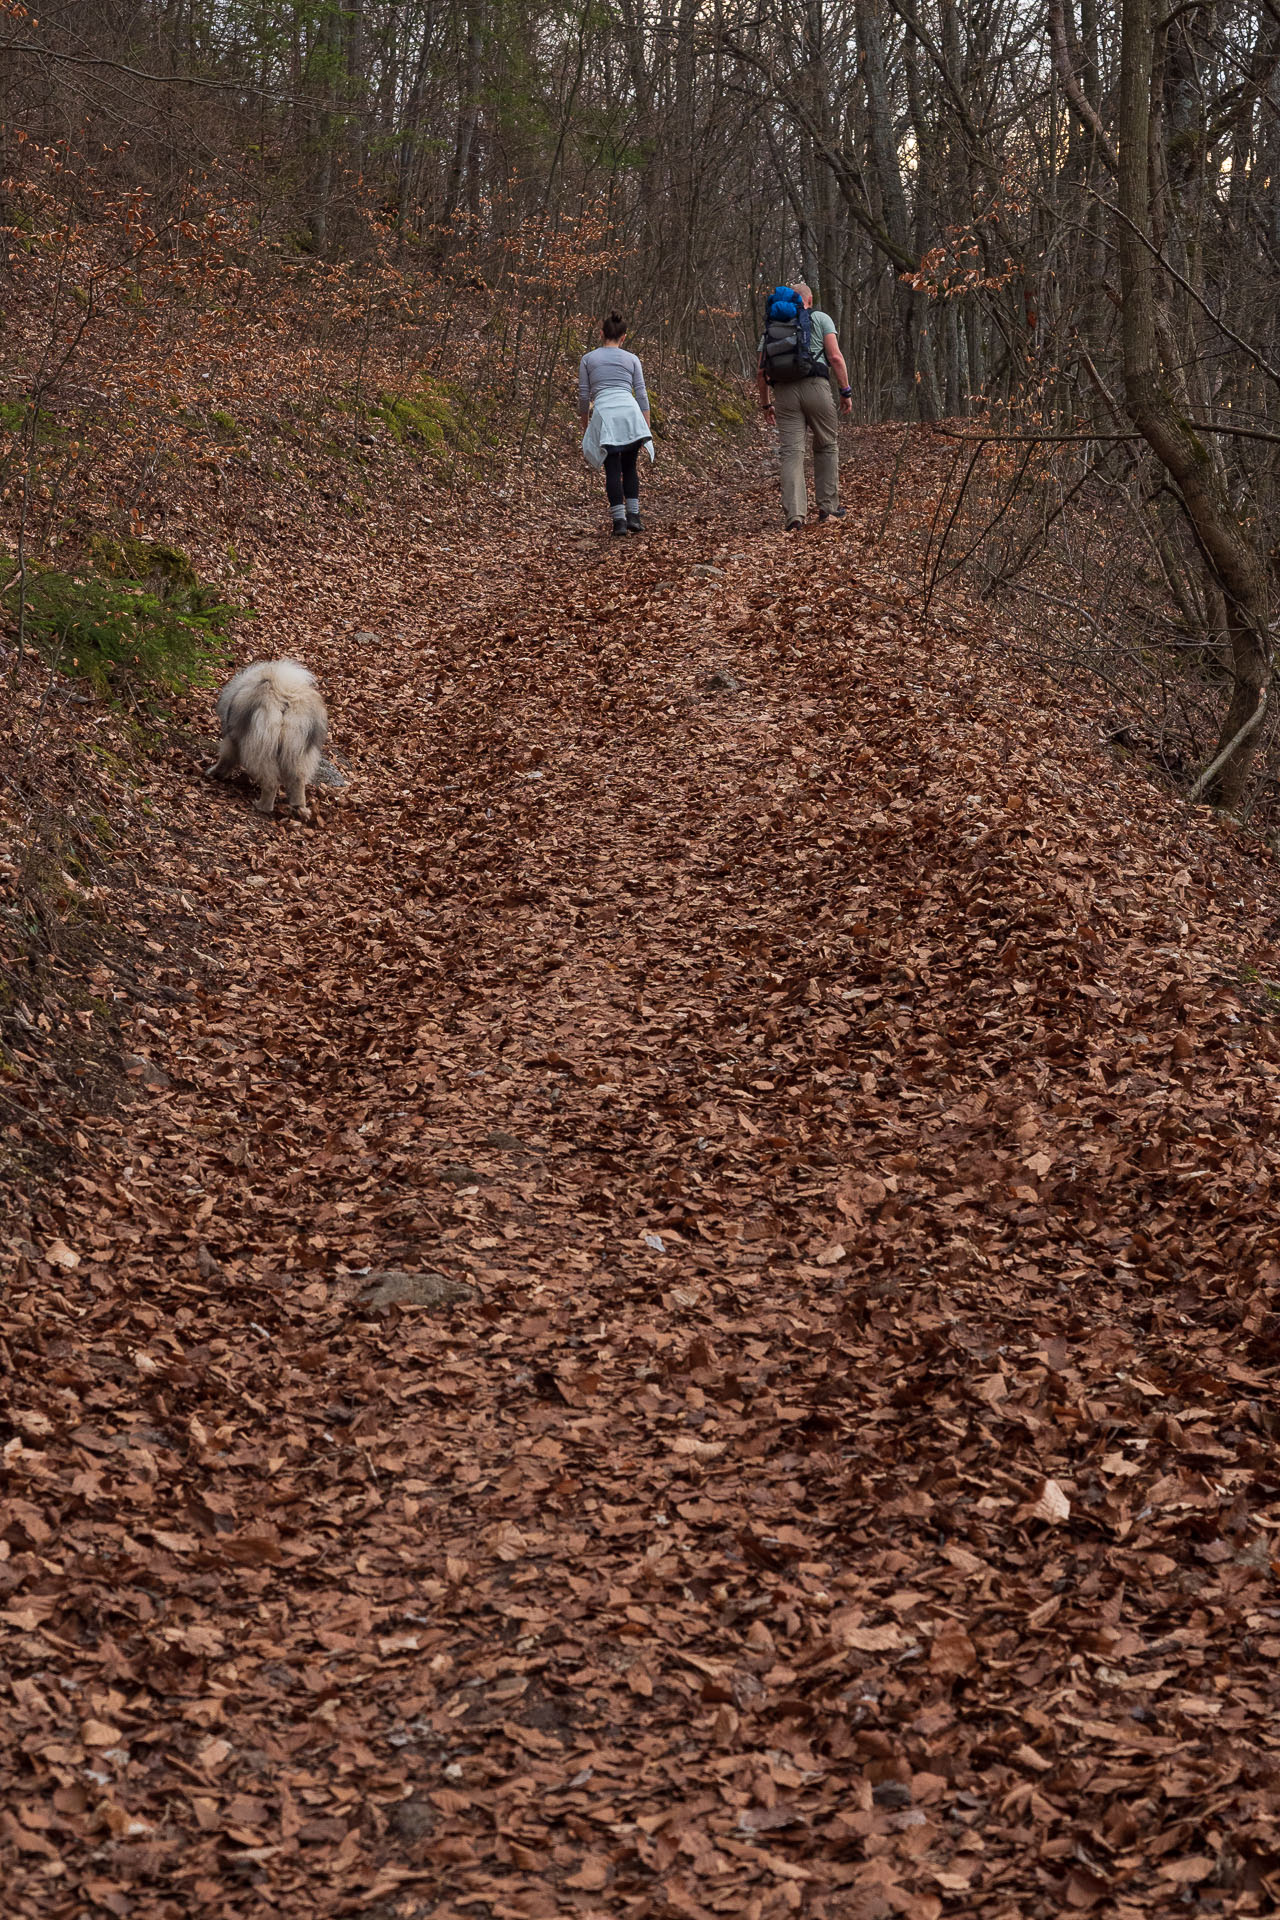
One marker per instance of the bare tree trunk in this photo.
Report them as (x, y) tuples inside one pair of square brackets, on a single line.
[(1232, 563), (886, 167), (917, 387), (407, 151), (468, 114)]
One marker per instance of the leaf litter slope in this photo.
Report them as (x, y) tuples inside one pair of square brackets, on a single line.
[(852, 1490)]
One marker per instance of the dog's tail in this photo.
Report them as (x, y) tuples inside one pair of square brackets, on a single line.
[(304, 727), (261, 740)]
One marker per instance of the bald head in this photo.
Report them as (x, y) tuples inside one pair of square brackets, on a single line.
[(806, 293)]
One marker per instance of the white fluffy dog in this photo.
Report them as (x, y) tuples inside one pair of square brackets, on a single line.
[(273, 725)]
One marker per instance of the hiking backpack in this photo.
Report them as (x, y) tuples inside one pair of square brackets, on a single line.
[(787, 351)]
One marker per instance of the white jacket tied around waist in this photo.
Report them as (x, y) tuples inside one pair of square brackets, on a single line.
[(616, 421)]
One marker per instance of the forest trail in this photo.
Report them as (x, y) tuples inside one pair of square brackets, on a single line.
[(852, 1488)]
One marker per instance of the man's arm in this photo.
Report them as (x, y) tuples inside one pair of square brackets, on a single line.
[(763, 393), (835, 360)]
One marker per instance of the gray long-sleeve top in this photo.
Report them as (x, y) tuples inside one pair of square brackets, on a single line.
[(610, 366)]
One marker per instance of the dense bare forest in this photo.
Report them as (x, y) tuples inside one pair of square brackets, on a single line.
[(948, 177)]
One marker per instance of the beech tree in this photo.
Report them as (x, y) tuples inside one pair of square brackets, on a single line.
[(1164, 198)]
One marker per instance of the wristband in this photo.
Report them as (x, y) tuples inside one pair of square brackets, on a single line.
[(846, 393)]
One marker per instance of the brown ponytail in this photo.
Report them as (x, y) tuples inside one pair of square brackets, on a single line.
[(613, 326)]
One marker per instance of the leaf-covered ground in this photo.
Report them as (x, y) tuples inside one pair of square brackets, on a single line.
[(847, 1485)]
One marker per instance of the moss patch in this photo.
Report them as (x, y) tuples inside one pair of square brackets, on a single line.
[(163, 568), (429, 413), (137, 615), (14, 416), (722, 396)]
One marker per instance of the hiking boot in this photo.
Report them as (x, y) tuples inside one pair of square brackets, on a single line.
[(620, 527), (795, 526), (634, 523), (832, 513)]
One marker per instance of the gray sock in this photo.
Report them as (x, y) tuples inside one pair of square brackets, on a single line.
[(619, 515), (633, 508)]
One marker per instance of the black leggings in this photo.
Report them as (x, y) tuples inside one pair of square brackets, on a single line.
[(621, 473)]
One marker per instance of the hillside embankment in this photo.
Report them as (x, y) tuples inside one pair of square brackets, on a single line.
[(823, 1460)]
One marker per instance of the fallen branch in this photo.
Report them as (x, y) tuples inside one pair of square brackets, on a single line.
[(1062, 439), (35, 51), (1064, 67), (1220, 760)]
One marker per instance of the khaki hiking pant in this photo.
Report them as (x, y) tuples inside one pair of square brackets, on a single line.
[(799, 405)]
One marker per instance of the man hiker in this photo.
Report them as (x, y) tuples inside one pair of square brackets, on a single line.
[(799, 353)]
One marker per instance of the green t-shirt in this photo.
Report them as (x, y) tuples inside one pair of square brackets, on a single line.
[(820, 325)]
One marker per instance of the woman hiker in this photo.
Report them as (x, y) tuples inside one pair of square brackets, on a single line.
[(613, 406)]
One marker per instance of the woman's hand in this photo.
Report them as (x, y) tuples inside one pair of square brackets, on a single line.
[(583, 419)]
